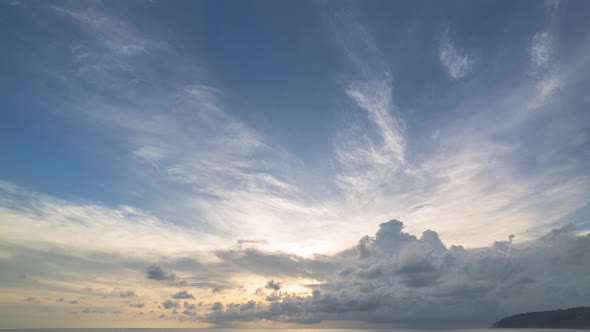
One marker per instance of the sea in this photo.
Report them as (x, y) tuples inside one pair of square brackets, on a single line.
[(285, 330)]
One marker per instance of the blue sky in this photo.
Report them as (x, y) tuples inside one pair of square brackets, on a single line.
[(156, 131)]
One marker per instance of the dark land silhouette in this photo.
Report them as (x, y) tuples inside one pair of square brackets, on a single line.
[(573, 318)]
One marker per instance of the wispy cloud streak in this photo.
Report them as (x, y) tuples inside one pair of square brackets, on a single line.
[(456, 63)]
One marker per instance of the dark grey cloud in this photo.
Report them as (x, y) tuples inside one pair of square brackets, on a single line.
[(392, 278), (60, 300), (371, 272), (190, 314), (137, 305), (91, 311), (168, 304), (30, 299), (189, 306), (271, 284), (183, 294), (248, 305), (275, 296), (73, 302), (157, 273), (398, 278)]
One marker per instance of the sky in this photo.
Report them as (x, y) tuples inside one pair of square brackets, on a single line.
[(292, 163)]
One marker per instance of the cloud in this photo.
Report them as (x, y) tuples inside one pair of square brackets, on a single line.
[(183, 294), (227, 171), (245, 241), (541, 51), (435, 135), (466, 171), (111, 33), (369, 151), (214, 172), (34, 219), (189, 306), (91, 311), (407, 279), (122, 293), (275, 285), (168, 304), (30, 299), (73, 302), (371, 272), (274, 263), (157, 273), (483, 177), (457, 64), (137, 305)]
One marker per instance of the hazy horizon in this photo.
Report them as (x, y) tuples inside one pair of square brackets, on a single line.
[(280, 164)]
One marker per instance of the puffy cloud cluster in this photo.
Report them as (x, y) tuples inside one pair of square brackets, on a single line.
[(271, 284), (157, 273), (183, 294), (400, 279), (168, 304)]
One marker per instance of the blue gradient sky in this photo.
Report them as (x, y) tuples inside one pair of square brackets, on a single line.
[(161, 130)]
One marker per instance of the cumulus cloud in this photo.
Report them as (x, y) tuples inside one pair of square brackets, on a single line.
[(183, 294), (169, 304), (189, 306), (157, 273), (456, 63), (271, 284), (397, 278)]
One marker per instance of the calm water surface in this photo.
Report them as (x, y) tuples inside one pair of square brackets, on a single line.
[(292, 330)]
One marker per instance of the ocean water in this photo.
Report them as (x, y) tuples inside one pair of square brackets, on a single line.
[(286, 330)]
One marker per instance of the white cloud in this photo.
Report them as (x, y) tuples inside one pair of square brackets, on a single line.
[(221, 181), (457, 64), (541, 51), (470, 178), (37, 221), (209, 171), (113, 34), (435, 135)]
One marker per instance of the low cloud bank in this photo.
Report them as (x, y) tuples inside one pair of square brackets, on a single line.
[(396, 278)]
